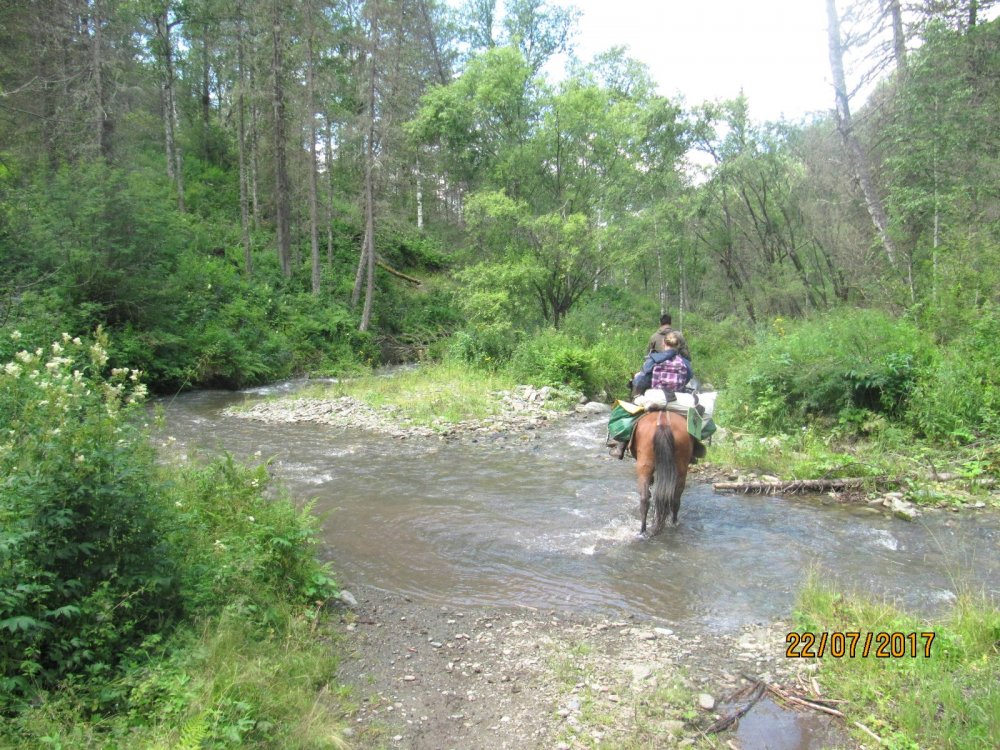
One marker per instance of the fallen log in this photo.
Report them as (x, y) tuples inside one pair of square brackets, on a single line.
[(386, 267), (756, 692), (803, 485)]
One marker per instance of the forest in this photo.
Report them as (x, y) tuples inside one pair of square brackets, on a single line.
[(202, 194)]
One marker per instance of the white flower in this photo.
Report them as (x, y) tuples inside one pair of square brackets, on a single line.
[(251, 519), (79, 458), (15, 335), (65, 336), (12, 368)]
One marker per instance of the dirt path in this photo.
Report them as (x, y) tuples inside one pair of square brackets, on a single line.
[(441, 677)]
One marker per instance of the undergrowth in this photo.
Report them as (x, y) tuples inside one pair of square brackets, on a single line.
[(943, 694)]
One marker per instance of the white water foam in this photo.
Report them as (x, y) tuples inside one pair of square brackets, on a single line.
[(886, 540)]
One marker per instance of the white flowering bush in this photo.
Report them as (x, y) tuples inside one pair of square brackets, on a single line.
[(83, 573)]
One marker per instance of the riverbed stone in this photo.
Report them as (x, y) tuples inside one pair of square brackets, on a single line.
[(347, 599), (593, 407)]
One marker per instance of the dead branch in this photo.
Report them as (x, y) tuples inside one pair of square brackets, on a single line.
[(756, 690), (386, 267), (802, 485), (796, 700)]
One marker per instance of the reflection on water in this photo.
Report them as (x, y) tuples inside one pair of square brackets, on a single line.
[(550, 523)]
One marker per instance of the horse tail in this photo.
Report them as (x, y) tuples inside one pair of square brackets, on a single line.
[(665, 470)]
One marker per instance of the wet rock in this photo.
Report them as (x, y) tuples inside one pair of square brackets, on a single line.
[(902, 509), (347, 599), (593, 407)]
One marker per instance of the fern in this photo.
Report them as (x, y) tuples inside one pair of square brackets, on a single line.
[(193, 733)]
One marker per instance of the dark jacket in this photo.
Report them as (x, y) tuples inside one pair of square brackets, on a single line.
[(656, 343)]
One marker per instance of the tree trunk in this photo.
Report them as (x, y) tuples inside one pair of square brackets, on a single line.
[(366, 265), (241, 143), (101, 121), (175, 159), (328, 157), (254, 160), (420, 196), (281, 199), (845, 127), (206, 97), (898, 36), (313, 208)]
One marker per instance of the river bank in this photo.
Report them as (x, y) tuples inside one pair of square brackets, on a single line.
[(538, 677), (518, 413), (495, 679)]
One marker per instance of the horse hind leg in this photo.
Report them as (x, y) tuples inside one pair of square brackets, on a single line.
[(644, 495)]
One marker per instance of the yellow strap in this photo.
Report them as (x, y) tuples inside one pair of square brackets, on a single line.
[(631, 408)]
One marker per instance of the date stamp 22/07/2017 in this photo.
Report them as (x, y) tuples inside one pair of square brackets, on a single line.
[(851, 644)]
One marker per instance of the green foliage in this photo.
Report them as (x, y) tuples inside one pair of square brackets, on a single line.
[(84, 571), (890, 696), (486, 346), (552, 358), (240, 549), (827, 368), (102, 554), (958, 395)]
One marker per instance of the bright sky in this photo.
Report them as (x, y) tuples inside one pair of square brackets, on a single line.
[(774, 50)]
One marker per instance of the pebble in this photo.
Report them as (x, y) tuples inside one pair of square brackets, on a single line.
[(524, 408), (347, 598)]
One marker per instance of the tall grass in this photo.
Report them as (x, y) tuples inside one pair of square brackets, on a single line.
[(947, 701), (435, 394)]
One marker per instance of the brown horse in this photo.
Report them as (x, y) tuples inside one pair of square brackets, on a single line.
[(663, 449)]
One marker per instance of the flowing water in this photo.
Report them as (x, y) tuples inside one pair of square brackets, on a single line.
[(551, 523)]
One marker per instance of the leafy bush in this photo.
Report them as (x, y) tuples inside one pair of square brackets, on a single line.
[(827, 368), (240, 549), (958, 394), (487, 346), (552, 358), (84, 570)]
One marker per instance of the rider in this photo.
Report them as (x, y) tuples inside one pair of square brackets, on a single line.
[(667, 370), (657, 341)]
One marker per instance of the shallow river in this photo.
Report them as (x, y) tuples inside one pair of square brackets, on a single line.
[(551, 524)]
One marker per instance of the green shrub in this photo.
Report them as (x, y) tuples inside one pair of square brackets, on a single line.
[(84, 571), (552, 358), (239, 548), (828, 368), (958, 394), (487, 346)]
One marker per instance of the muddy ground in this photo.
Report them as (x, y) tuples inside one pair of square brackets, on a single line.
[(425, 676)]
